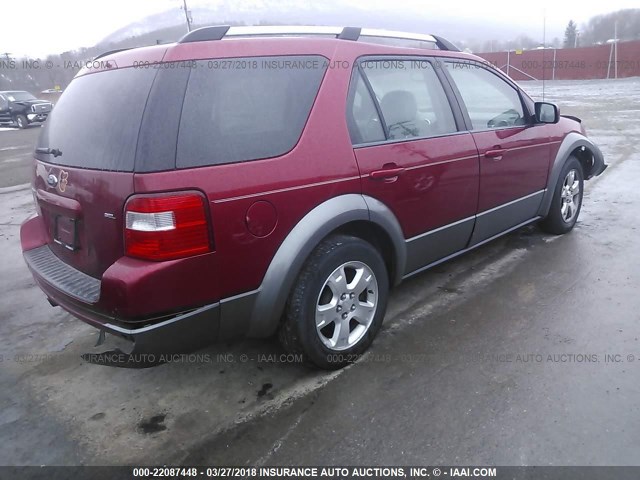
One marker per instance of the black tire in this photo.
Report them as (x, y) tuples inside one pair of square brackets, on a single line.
[(21, 122), (555, 222), (298, 333)]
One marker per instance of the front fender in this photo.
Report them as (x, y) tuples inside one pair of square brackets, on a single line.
[(298, 245), (570, 144), (18, 110)]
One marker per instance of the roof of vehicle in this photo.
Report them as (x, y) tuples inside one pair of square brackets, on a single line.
[(223, 42)]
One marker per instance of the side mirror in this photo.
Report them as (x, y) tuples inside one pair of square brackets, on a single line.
[(547, 113)]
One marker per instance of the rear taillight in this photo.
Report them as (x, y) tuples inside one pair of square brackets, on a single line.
[(166, 227)]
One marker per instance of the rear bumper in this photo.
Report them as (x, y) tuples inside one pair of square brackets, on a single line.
[(79, 294), (131, 296), (179, 333), (50, 269)]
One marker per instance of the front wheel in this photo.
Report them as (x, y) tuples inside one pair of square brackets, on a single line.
[(21, 121), (338, 303), (567, 199)]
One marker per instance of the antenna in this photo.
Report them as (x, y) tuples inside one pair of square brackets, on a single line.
[(544, 48), (186, 15)]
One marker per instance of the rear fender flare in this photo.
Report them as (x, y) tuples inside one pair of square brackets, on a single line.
[(305, 236)]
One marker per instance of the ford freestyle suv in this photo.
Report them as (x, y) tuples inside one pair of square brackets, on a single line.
[(253, 181)]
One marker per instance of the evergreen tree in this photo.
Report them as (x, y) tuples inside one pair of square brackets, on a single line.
[(570, 35)]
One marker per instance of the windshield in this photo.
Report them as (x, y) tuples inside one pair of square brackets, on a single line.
[(19, 96)]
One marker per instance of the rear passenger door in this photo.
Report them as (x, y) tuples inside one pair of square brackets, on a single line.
[(514, 153), (412, 154)]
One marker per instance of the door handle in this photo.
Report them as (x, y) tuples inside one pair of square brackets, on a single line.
[(386, 173), (496, 154)]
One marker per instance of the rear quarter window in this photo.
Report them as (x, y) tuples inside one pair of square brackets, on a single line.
[(255, 108)]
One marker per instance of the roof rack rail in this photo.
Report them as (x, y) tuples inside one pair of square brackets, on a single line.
[(215, 32), (350, 33), (117, 50), (444, 44), (218, 32)]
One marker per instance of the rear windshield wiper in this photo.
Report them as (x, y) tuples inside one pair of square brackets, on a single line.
[(49, 151)]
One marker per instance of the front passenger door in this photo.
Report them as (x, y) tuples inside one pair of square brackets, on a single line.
[(514, 153)]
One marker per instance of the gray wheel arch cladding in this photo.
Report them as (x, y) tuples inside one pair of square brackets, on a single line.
[(569, 145), (305, 236)]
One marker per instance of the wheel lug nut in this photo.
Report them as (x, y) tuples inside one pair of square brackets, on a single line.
[(353, 307), (338, 308), (343, 296), (345, 315), (352, 295)]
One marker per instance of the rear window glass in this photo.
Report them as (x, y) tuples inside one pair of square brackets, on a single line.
[(246, 109), (95, 123)]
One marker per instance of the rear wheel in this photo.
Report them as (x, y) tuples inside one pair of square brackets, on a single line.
[(338, 303), (567, 199), (21, 121)]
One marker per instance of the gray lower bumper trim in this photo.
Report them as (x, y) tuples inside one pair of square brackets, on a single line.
[(184, 333), (160, 342)]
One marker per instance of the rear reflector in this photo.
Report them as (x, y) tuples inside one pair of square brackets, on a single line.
[(166, 227)]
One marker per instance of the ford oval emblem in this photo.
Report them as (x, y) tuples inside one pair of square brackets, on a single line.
[(52, 180)]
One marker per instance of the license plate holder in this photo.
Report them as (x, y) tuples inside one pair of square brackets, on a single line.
[(66, 232)]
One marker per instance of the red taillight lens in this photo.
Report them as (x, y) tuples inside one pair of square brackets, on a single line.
[(166, 227)]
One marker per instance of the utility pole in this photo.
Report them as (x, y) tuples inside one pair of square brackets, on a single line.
[(615, 43), (544, 48), (186, 15)]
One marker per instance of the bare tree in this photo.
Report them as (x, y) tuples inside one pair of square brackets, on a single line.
[(601, 28)]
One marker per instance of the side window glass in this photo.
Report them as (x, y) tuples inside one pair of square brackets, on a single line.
[(364, 122), (255, 111), (4, 104), (411, 97), (490, 101)]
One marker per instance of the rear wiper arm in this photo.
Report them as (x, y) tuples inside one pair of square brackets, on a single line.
[(49, 151)]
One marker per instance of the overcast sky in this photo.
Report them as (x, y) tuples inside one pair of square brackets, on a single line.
[(38, 27)]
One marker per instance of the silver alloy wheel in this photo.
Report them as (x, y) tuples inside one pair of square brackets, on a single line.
[(346, 305), (570, 196)]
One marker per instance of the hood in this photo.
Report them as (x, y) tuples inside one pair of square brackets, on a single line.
[(30, 102)]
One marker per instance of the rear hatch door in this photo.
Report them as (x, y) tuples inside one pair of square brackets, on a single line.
[(84, 165)]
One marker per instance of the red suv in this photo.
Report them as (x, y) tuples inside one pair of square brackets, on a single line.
[(248, 181)]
